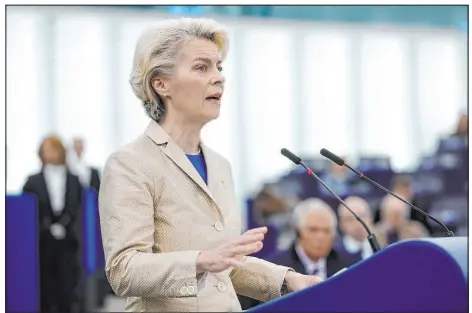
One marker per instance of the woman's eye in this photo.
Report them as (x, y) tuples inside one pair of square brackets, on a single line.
[(220, 69), (201, 68)]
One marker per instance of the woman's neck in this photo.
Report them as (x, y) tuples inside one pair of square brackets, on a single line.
[(186, 135)]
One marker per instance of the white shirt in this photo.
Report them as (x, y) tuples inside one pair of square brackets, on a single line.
[(354, 246), (55, 176), (310, 265), (79, 168)]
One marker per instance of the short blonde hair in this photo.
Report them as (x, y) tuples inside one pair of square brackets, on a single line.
[(157, 52)]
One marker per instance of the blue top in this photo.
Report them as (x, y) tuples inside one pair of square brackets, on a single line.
[(198, 162)]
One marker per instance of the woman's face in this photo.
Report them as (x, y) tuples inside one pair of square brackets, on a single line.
[(196, 85), (51, 153)]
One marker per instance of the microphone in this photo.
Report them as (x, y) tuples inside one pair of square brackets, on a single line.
[(370, 235), (339, 161)]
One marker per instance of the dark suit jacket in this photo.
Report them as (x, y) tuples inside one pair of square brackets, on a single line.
[(36, 185), (95, 179), (334, 263)]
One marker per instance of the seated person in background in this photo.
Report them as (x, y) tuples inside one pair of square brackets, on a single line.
[(413, 230), (312, 253), (402, 185), (272, 208), (393, 215), (394, 223), (354, 244), (267, 204), (338, 178)]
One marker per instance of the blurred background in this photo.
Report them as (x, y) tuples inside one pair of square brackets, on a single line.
[(383, 86)]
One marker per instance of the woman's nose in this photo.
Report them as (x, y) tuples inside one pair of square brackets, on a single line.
[(218, 79)]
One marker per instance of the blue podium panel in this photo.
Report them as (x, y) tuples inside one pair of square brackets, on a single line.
[(21, 254), (93, 257), (410, 276)]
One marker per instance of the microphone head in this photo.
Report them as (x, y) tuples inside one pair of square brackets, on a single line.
[(333, 157), (292, 157)]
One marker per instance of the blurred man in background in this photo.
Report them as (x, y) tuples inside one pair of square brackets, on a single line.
[(312, 253), (354, 244), (393, 215), (59, 195), (394, 222), (89, 176), (402, 185)]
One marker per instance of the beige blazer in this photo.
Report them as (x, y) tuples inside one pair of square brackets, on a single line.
[(157, 214)]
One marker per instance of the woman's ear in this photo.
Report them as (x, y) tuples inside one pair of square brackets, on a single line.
[(160, 86)]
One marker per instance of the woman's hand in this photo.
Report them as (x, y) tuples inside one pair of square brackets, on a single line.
[(231, 253), (297, 281)]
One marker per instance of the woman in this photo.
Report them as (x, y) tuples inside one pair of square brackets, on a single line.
[(59, 195), (169, 216)]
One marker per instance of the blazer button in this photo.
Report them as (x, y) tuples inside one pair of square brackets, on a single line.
[(183, 290), (191, 290), (218, 226), (221, 286)]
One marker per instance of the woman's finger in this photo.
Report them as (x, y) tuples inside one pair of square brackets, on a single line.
[(258, 230), (248, 248), (248, 238)]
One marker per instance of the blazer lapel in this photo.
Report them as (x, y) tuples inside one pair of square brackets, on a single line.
[(45, 190), (180, 159), (67, 192), (177, 155), (216, 182)]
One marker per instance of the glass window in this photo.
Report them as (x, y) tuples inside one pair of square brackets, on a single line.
[(24, 97), (81, 87), (267, 90), (327, 101), (440, 91), (385, 118)]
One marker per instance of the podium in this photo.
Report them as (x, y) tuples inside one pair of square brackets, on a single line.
[(93, 258), (428, 275), (22, 252)]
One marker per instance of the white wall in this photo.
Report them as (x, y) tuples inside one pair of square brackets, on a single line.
[(350, 88)]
